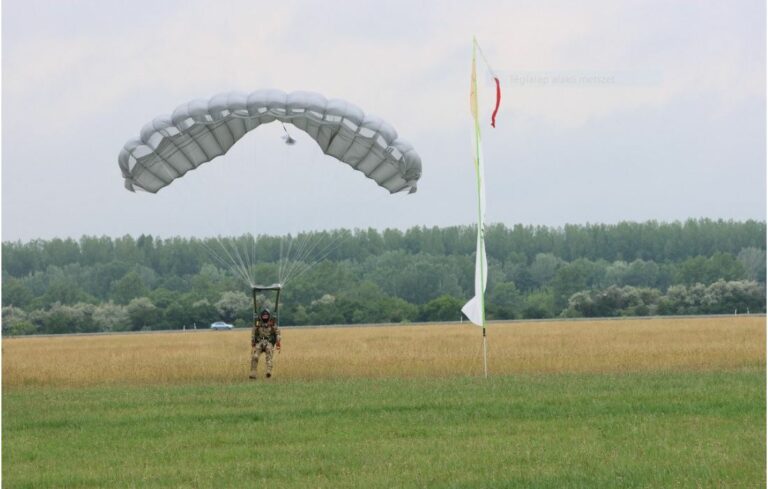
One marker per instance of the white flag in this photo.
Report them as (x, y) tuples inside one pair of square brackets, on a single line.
[(475, 308)]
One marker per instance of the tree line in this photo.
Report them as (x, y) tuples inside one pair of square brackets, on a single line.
[(369, 276)]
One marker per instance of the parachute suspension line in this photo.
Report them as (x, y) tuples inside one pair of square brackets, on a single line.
[(285, 254), (215, 255), (231, 248), (280, 259), (286, 245), (293, 261), (241, 260), (306, 249), (231, 264), (252, 225), (294, 246), (287, 137), (307, 243), (301, 253), (237, 258), (284, 259), (318, 246), (246, 258), (300, 246), (297, 254), (236, 247), (226, 251), (204, 127), (253, 251), (249, 251), (321, 255), (324, 252)]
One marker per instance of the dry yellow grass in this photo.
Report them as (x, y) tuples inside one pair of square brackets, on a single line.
[(397, 351)]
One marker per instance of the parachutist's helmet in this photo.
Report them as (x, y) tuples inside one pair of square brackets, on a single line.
[(265, 316)]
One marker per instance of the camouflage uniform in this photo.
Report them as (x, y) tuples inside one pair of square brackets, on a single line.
[(264, 337)]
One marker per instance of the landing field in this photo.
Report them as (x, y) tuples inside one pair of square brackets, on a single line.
[(627, 403)]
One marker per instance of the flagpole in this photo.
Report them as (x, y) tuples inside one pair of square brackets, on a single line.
[(485, 353), (480, 220)]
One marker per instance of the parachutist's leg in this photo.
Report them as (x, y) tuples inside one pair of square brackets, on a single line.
[(268, 352), (254, 361)]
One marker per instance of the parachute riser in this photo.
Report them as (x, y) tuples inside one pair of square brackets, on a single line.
[(260, 288)]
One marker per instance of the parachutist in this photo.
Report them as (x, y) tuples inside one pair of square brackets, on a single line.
[(265, 338)]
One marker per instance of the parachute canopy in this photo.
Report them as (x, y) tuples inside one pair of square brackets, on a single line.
[(201, 130)]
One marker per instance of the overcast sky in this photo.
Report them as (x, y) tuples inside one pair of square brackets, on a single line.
[(611, 111)]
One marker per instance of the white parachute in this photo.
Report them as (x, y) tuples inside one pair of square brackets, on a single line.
[(201, 130)]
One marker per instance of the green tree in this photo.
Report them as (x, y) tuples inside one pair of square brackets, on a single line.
[(128, 288), (571, 278), (504, 301), (297, 315), (65, 290), (753, 261), (204, 312), (580, 304), (539, 304), (179, 314), (64, 318), (394, 310), (544, 268), (16, 293), (143, 313), (739, 296), (641, 274), (443, 308), (325, 311), (111, 317), (206, 282), (232, 304), (16, 322)]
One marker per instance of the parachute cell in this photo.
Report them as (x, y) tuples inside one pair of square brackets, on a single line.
[(201, 130)]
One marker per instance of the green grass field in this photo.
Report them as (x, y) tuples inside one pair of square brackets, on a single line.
[(669, 403), (704, 429)]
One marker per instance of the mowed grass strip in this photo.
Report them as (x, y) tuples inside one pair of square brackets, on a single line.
[(650, 430), (385, 352)]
